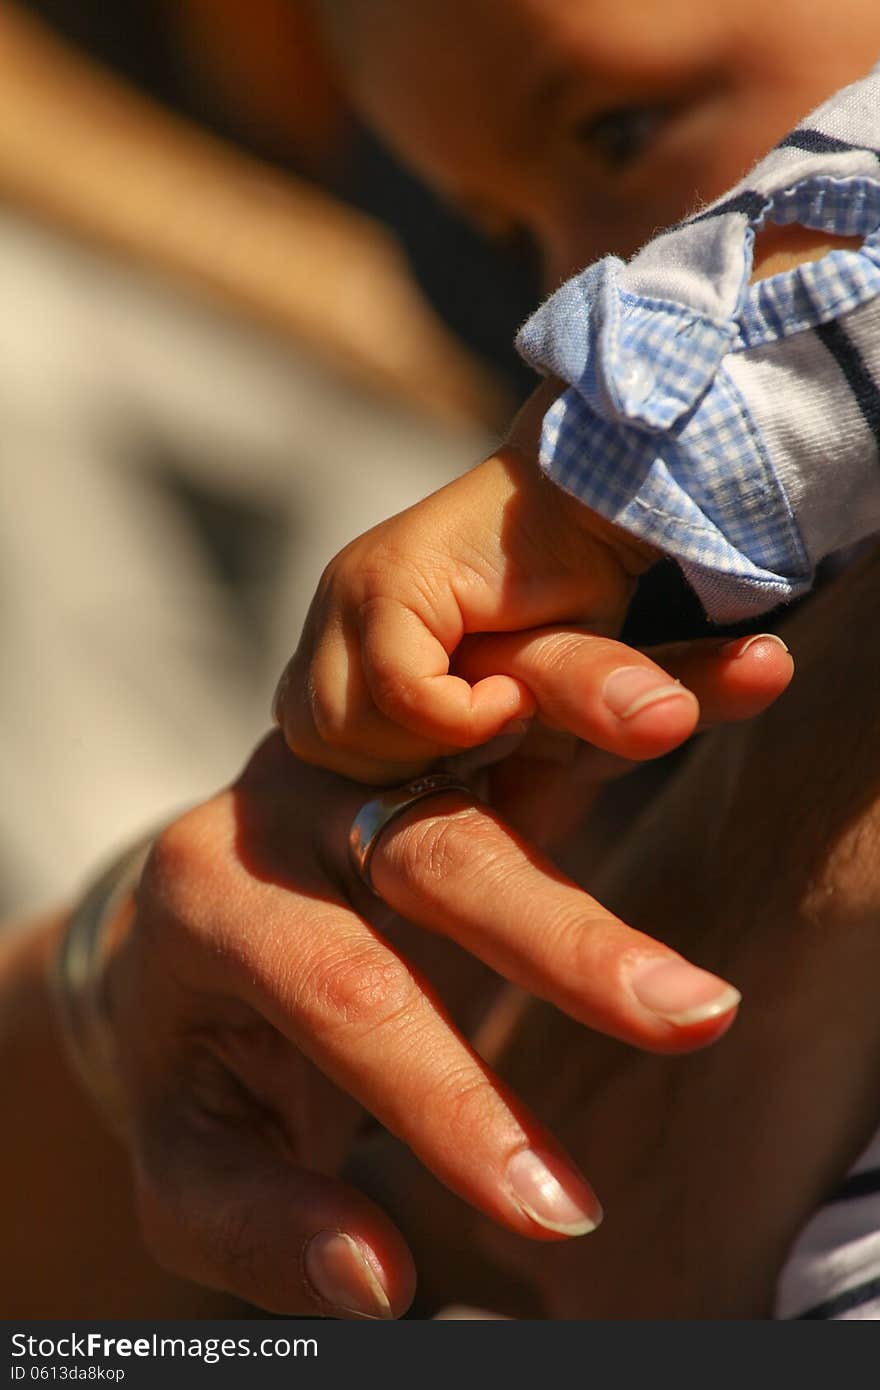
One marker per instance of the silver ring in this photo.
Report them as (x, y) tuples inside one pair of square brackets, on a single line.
[(380, 810)]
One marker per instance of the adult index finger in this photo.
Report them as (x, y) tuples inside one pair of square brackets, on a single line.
[(455, 868)]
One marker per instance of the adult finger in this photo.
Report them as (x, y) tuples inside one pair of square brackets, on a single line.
[(546, 786), (733, 678), (599, 690), (455, 868), (221, 1206), (633, 704), (338, 991), (316, 974)]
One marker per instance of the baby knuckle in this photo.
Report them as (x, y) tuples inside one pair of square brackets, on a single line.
[(392, 693), (379, 569), (341, 581), (296, 721), (329, 714)]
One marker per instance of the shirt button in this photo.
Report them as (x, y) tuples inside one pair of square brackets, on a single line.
[(636, 379)]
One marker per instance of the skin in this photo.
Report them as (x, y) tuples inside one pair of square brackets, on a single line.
[(733, 1148), (540, 136), (71, 1242), (222, 1197), (262, 1001), (533, 143), (585, 127), (369, 692)]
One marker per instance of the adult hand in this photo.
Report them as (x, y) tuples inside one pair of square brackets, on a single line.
[(257, 1005), (709, 1166)]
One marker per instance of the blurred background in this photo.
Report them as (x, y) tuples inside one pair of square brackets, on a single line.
[(234, 333)]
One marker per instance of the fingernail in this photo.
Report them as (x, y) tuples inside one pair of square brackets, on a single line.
[(632, 688), (551, 1194), (681, 993), (339, 1272), (738, 647)]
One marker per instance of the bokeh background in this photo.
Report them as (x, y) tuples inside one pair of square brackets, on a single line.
[(234, 333)]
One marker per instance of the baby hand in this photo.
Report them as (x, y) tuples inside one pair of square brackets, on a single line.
[(373, 691)]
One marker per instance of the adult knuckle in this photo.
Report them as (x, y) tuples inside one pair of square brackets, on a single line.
[(189, 885), (574, 936), (184, 1227), (161, 1230), (359, 988), (223, 1249), (180, 859), (465, 1101), (233, 1243), (440, 847), (563, 652)]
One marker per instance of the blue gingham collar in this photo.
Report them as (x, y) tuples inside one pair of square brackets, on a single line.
[(643, 340)]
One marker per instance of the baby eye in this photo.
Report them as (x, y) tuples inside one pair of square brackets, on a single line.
[(621, 136)]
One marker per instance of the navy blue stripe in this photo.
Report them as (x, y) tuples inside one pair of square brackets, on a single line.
[(858, 378), (814, 142), (752, 204), (843, 1302), (857, 1185)]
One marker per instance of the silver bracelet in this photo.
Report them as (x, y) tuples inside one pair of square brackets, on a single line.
[(76, 976)]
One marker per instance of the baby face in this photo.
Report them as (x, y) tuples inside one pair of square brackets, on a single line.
[(589, 124)]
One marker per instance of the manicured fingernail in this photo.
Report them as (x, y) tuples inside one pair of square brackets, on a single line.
[(681, 993), (632, 688), (739, 646), (339, 1272), (552, 1195)]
